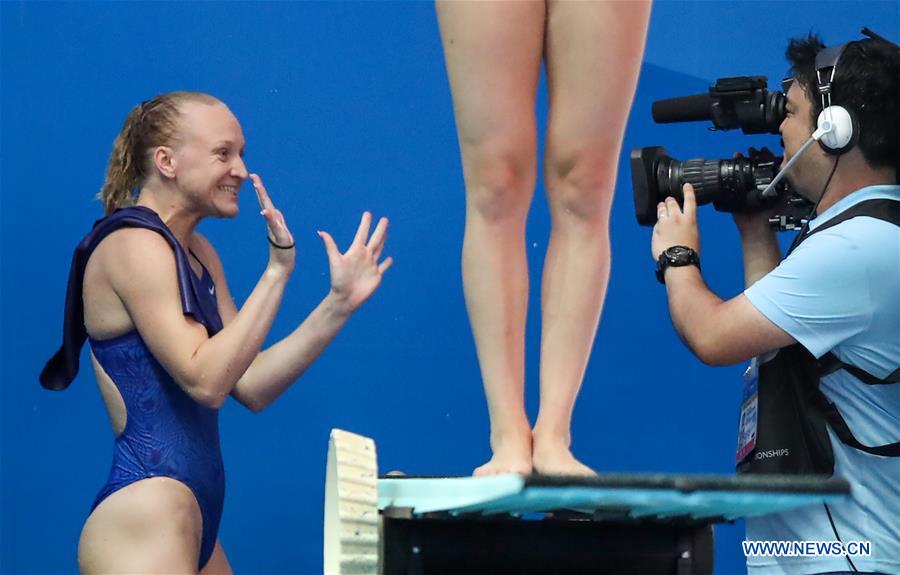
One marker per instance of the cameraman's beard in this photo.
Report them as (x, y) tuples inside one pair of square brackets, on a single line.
[(795, 178), (810, 175), (820, 189)]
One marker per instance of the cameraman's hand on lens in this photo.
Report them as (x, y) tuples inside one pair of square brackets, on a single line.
[(676, 226), (756, 223), (281, 248)]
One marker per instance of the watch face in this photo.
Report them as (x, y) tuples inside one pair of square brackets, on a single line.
[(677, 254)]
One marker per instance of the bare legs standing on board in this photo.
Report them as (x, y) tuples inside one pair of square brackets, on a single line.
[(493, 51)]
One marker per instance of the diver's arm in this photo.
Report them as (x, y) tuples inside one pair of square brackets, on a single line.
[(141, 270), (278, 367), (207, 368), (355, 275)]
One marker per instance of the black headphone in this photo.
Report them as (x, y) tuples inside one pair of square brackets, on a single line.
[(837, 125)]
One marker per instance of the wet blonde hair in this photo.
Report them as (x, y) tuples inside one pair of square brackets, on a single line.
[(151, 124)]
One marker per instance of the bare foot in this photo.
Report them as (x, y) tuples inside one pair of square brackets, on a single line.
[(552, 456), (512, 455)]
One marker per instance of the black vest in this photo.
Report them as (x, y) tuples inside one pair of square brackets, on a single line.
[(793, 412)]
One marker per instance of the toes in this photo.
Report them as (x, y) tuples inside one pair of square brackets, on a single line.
[(499, 468)]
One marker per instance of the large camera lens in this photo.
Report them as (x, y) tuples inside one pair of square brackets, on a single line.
[(730, 185)]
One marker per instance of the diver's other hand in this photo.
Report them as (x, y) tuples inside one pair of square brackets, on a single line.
[(356, 273), (281, 241)]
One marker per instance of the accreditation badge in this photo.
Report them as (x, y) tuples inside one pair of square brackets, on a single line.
[(749, 411)]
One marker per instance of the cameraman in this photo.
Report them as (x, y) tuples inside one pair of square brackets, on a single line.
[(838, 291)]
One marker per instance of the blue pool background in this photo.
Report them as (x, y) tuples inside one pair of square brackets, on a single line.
[(345, 107)]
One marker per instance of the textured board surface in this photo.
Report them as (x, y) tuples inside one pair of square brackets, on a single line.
[(619, 496)]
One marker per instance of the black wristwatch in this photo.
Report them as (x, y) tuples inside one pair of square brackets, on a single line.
[(676, 256)]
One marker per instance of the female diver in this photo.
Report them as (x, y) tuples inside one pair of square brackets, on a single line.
[(168, 344)]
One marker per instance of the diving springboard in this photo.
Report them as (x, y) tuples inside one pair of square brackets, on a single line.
[(636, 496), (613, 523)]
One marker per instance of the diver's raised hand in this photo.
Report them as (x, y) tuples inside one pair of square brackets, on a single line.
[(281, 252), (356, 273)]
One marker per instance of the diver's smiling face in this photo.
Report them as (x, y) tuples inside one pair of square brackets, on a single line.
[(208, 159)]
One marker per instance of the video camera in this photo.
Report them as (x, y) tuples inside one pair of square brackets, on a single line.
[(731, 185)]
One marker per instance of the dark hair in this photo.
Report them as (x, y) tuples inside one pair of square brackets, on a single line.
[(148, 125), (867, 82)]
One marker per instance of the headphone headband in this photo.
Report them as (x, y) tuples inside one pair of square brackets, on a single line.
[(825, 59)]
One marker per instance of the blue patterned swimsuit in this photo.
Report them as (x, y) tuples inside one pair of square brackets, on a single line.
[(167, 433)]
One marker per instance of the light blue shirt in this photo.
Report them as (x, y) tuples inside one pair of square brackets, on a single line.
[(839, 291)]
